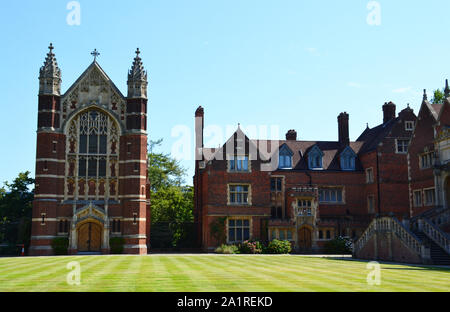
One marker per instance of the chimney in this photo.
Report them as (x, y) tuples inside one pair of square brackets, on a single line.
[(199, 125), (291, 135), (344, 138), (388, 112)]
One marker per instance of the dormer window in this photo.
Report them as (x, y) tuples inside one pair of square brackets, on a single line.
[(315, 158), (409, 125), (285, 158), (347, 159), (238, 163)]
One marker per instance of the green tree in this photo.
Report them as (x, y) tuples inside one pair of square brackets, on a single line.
[(16, 201), (163, 170), (438, 97), (172, 202)]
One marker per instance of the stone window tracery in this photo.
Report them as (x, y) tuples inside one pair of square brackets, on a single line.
[(91, 166)]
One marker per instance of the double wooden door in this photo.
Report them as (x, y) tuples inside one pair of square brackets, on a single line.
[(89, 237), (304, 238)]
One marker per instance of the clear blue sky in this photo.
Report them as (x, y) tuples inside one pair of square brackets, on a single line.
[(296, 64)]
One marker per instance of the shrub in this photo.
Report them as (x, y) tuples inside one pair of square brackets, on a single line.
[(116, 245), (250, 247), (339, 245), (60, 246), (278, 247), (227, 249)]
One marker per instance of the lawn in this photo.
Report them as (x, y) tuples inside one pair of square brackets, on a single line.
[(216, 273)]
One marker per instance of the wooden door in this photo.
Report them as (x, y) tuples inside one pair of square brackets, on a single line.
[(304, 238), (89, 237)]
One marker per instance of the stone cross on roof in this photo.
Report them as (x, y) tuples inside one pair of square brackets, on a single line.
[(95, 53)]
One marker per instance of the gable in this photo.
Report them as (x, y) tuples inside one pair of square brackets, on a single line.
[(93, 87)]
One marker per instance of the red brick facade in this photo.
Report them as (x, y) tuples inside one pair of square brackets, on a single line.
[(91, 192), (306, 202)]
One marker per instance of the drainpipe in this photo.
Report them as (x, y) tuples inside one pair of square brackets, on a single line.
[(378, 184)]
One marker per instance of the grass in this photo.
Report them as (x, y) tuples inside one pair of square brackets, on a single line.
[(213, 273)]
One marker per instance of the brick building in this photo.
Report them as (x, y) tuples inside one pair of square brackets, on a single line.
[(91, 161), (422, 237), (307, 192), (428, 158)]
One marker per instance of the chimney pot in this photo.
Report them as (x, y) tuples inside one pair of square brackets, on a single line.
[(291, 135)]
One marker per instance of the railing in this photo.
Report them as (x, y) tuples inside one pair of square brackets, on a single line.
[(390, 225), (434, 233)]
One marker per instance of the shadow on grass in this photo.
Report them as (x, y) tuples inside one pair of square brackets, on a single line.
[(406, 266)]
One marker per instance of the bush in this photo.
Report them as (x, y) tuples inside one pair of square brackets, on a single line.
[(60, 246), (116, 245), (339, 245), (278, 247), (250, 247), (227, 249)]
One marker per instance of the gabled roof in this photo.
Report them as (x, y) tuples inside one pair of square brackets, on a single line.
[(330, 149), (94, 66), (372, 137)]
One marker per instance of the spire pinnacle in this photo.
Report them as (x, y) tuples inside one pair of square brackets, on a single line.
[(425, 97), (137, 78), (50, 74), (447, 89)]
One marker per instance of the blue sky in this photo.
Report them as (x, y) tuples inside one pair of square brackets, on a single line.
[(295, 64)]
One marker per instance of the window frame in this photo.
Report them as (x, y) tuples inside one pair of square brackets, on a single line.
[(241, 203), (241, 227), (397, 142), (323, 200)]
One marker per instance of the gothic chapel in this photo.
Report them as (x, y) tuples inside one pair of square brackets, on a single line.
[(91, 161)]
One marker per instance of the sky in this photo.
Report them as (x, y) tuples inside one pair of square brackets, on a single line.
[(283, 64)]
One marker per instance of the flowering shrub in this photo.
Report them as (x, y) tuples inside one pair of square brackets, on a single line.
[(250, 247), (227, 249), (279, 247)]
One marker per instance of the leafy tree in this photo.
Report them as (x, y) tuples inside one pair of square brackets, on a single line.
[(163, 170), (16, 209), (438, 97), (172, 202)]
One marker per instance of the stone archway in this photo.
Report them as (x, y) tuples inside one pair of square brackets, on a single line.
[(89, 235)]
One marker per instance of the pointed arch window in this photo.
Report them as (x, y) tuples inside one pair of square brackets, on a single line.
[(348, 159), (285, 158), (315, 157)]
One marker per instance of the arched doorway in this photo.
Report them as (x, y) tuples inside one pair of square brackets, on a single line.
[(89, 237), (304, 238)]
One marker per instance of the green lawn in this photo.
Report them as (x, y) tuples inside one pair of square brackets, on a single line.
[(217, 273)]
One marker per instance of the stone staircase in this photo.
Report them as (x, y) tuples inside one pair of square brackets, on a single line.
[(438, 255)]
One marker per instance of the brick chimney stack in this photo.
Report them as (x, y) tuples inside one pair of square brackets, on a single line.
[(199, 125), (388, 112), (344, 137), (291, 135)]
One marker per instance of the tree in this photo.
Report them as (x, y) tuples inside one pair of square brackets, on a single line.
[(438, 97), (163, 171), (16, 209), (172, 203)]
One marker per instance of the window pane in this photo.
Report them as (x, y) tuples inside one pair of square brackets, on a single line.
[(282, 234), (272, 184), (231, 235), (103, 144), (92, 167), (238, 223), (239, 234), (339, 195), (231, 223), (279, 184), (246, 233), (246, 223), (102, 168), (93, 144), (82, 167), (83, 143)]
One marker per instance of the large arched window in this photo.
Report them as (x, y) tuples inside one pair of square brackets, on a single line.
[(92, 144), (92, 156)]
